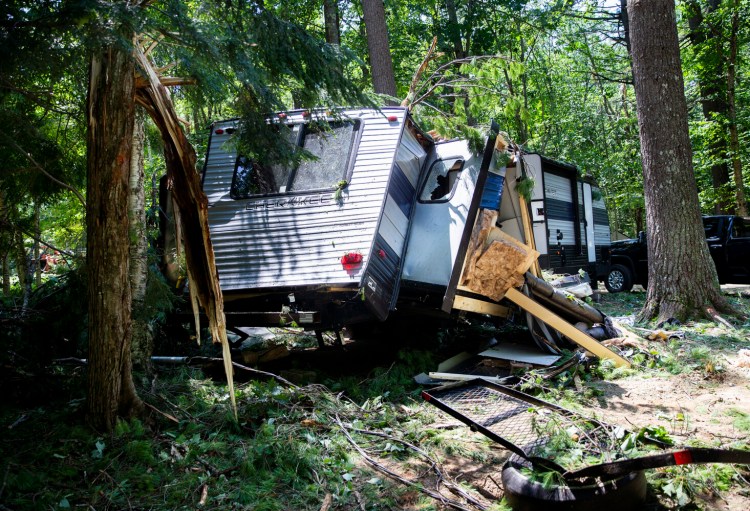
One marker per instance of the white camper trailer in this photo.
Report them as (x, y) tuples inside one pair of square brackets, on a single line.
[(569, 218), (382, 215)]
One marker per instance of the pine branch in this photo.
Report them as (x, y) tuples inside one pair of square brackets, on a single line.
[(41, 169)]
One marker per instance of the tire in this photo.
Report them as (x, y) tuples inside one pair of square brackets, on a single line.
[(624, 493), (619, 279)]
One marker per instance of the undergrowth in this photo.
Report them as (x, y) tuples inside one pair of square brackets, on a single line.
[(324, 446), (291, 448)]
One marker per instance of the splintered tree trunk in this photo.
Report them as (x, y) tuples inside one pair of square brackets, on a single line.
[(179, 157), (142, 340), (682, 279), (111, 112), (383, 80)]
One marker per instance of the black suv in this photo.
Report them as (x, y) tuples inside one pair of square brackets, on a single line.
[(728, 240)]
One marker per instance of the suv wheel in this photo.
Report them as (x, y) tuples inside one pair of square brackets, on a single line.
[(619, 279)]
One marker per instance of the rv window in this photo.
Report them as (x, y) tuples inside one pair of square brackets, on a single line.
[(330, 146), (441, 180)]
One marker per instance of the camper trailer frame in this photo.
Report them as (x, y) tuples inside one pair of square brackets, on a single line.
[(386, 228)]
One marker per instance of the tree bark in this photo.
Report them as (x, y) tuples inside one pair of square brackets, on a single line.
[(331, 18), (36, 249), (682, 279), (23, 269), (111, 112), (734, 140), (142, 340), (383, 80)]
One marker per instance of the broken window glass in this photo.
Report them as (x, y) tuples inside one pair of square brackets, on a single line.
[(330, 148), (441, 180)]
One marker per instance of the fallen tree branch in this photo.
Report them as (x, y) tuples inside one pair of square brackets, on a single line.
[(716, 317), (378, 466)]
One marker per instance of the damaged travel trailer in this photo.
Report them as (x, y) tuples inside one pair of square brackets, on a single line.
[(381, 218)]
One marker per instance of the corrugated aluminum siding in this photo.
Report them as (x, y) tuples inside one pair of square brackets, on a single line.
[(558, 192), (601, 221), (298, 239)]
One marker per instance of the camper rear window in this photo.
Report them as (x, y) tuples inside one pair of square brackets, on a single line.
[(331, 147), (441, 180)]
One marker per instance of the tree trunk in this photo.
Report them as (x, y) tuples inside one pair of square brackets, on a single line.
[(682, 279), (111, 112), (23, 269), (712, 97), (36, 261), (142, 339), (331, 17), (6, 274), (383, 80), (734, 140)]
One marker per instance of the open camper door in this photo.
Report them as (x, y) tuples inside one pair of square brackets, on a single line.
[(476, 201)]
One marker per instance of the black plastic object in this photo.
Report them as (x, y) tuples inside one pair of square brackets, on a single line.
[(622, 493)]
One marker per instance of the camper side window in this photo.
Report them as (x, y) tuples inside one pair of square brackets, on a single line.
[(329, 150), (441, 180)]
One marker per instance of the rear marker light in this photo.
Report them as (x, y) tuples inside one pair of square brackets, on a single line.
[(351, 260)]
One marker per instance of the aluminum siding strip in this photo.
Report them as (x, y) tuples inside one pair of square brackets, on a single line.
[(278, 244), (393, 227)]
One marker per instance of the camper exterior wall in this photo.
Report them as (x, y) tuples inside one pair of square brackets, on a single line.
[(298, 239), (569, 219), (438, 225)]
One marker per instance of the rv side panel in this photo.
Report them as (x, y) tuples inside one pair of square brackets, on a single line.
[(439, 224), (297, 239)]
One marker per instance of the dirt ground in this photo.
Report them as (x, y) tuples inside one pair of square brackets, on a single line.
[(700, 405), (690, 406)]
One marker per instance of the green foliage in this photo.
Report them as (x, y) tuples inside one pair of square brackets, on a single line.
[(525, 187)]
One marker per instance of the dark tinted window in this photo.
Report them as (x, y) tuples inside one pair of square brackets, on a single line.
[(441, 180), (711, 226), (739, 229)]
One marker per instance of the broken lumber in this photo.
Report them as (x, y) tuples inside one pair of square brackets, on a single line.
[(495, 260), (565, 328), (575, 307)]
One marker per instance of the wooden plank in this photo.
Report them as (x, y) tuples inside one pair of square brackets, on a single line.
[(565, 328), (465, 303), (528, 233)]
